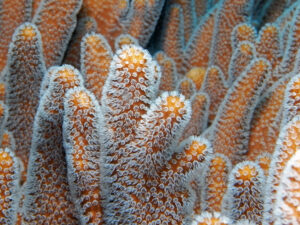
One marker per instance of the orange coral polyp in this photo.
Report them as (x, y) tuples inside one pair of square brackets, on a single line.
[(246, 49), (196, 148), (214, 218), (244, 33), (67, 76), (6, 160), (196, 151), (132, 58), (246, 173), (28, 33), (82, 101), (92, 40), (211, 221), (174, 105)]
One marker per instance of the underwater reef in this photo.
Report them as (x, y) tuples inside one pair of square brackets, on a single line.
[(150, 112)]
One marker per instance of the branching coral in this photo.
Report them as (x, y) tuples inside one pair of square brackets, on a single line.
[(185, 133), (25, 70), (82, 145), (47, 193)]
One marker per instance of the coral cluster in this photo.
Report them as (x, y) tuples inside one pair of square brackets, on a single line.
[(149, 112)]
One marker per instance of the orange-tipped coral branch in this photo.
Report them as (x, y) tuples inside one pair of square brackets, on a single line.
[(85, 26), (229, 134), (96, 56), (230, 14), (198, 122), (242, 32), (241, 58), (186, 87), (82, 145), (112, 147), (169, 74), (215, 185), (47, 193), (23, 81), (245, 193), (265, 124)]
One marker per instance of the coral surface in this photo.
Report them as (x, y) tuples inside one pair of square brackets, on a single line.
[(149, 112)]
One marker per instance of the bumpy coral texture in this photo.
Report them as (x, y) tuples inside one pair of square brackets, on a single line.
[(149, 112)]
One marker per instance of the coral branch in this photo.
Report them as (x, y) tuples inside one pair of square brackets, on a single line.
[(25, 70), (56, 20), (12, 15), (96, 56), (231, 126), (241, 58), (216, 87), (292, 45), (127, 93), (173, 40), (245, 192), (188, 17), (199, 118), (198, 48), (169, 74), (229, 15), (268, 44), (142, 18), (186, 87), (287, 145), (47, 194), (215, 183), (85, 26), (287, 205), (265, 124), (242, 32), (81, 142), (166, 118)]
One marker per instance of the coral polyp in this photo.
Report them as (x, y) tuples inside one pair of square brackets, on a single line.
[(149, 112)]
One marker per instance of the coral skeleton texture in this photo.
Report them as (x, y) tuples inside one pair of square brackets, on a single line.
[(149, 112)]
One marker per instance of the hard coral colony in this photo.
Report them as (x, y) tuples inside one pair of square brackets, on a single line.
[(201, 128)]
